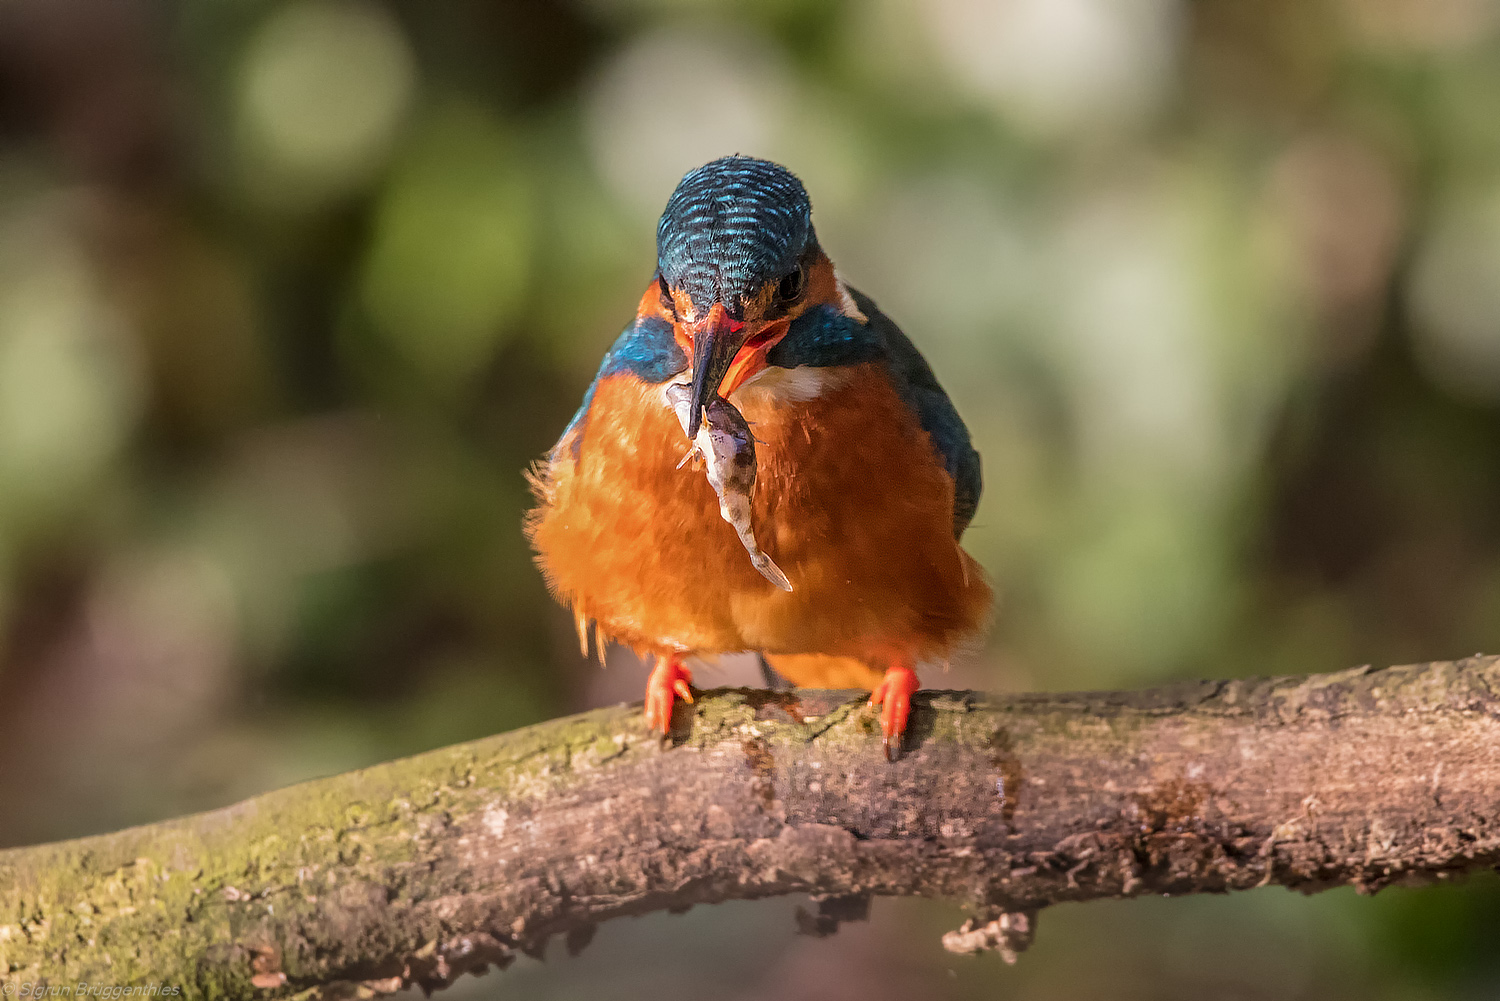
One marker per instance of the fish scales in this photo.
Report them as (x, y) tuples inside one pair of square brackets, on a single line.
[(727, 450)]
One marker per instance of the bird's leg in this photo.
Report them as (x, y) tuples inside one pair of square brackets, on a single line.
[(893, 696), (669, 680)]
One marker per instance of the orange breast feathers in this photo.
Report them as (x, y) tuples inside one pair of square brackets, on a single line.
[(850, 501)]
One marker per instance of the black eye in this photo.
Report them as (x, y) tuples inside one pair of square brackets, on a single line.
[(791, 286)]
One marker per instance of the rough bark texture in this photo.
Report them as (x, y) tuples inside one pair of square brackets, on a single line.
[(421, 869)]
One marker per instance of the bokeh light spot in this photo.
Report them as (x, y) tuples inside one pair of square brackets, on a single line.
[(1060, 66), (450, 257), (323, 87), (69, 378), (674, 101), (1455, 297)]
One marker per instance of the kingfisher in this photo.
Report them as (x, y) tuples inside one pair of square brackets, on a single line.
[(865, 475)]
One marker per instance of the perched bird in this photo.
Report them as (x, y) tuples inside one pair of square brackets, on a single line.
[(864, 475)]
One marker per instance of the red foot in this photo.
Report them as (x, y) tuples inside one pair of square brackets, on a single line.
[(893, 695), (668, 681)]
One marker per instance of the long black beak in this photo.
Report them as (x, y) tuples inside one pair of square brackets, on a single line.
[(716, 341)]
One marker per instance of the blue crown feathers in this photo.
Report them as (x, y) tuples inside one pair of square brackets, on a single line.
[(732, 226)]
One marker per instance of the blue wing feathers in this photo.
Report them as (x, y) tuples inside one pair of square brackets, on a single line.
[(824, 337), (935, 411)]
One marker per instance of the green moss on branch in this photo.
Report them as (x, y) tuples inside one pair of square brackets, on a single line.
[(421, 869)]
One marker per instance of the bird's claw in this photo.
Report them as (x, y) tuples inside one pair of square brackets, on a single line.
[(669, 681), (893, 696)]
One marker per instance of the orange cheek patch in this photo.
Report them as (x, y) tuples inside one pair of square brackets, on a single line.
[(651, 304)]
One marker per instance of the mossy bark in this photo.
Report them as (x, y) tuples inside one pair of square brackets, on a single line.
[(425, 868)]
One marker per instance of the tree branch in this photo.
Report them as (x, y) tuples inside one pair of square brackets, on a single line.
[(425, 868)]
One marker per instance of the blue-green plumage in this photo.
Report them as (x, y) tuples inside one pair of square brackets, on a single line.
[(730, 226)]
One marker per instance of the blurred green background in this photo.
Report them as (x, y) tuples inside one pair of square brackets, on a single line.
[(290, 294)]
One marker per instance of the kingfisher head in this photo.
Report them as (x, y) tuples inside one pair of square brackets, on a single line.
[(737, 261)]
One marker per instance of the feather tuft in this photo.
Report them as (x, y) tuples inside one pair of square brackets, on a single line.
[(581, 623)]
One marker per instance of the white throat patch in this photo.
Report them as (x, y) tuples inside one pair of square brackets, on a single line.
[(774, 386), (847, 305)]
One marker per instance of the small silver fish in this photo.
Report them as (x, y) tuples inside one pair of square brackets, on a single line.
[(727, 448)]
